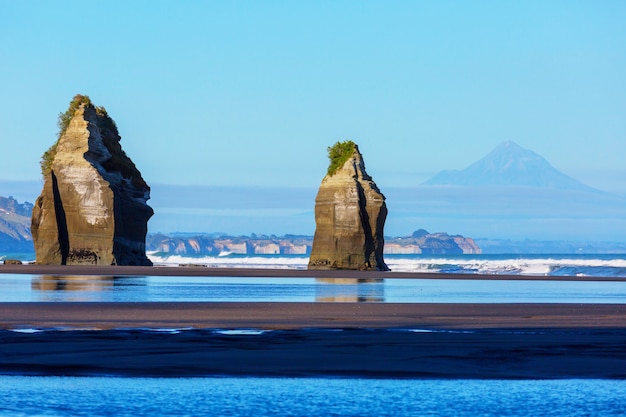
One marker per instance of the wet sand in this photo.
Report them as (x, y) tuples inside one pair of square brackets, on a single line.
[(255, 315), (327, 339), (505, 341)]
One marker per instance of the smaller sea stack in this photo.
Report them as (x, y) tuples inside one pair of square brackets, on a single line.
[(350, 213), (93, 207)]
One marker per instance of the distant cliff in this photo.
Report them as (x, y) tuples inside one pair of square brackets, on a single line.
[(93, 206), (177, 244), (15, 226), (422, 242), (222, 245)]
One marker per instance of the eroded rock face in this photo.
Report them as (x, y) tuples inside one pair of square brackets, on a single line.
[(350, 213), (92, 209)]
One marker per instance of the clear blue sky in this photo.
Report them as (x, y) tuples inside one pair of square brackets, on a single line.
[(252, 93)]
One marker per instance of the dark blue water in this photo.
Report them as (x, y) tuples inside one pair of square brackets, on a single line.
[(113, 396)]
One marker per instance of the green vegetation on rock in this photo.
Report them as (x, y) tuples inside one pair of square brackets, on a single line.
[(104, 123), (338, 154), (66, 118), (63, 122), (46, 159)]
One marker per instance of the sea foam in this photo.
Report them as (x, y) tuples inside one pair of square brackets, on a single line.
[(567, 265)]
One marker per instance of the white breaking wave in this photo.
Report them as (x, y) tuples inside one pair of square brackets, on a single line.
[(523, 266), (477, 265), (233, 262)]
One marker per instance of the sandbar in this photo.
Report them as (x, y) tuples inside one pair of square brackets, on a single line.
[(371, 340), (296, 315)]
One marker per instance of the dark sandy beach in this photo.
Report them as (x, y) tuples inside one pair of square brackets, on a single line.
[(332, 339), (234, 315)]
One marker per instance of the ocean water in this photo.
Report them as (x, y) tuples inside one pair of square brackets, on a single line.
[(550, 265), (608, 265), (247, 396), (26, 288), (114, 396), (30, 288)]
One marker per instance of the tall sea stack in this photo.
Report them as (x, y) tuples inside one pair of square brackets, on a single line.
[(350, 213), (92, 209)]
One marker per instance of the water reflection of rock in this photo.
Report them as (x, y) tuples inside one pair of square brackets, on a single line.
[(349, 290), (74, 287)]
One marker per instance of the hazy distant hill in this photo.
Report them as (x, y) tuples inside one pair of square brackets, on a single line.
[(511, 193), (15, 226), (509, 165), (212, 244)]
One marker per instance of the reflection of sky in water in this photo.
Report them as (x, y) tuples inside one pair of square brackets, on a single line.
[(349, 290), (17, 287)]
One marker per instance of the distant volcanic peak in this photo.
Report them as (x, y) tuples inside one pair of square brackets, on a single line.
[(509, 152), (510, 157), (511, 146), (509, 165)]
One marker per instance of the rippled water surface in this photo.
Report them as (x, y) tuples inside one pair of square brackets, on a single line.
[(106, 396)]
